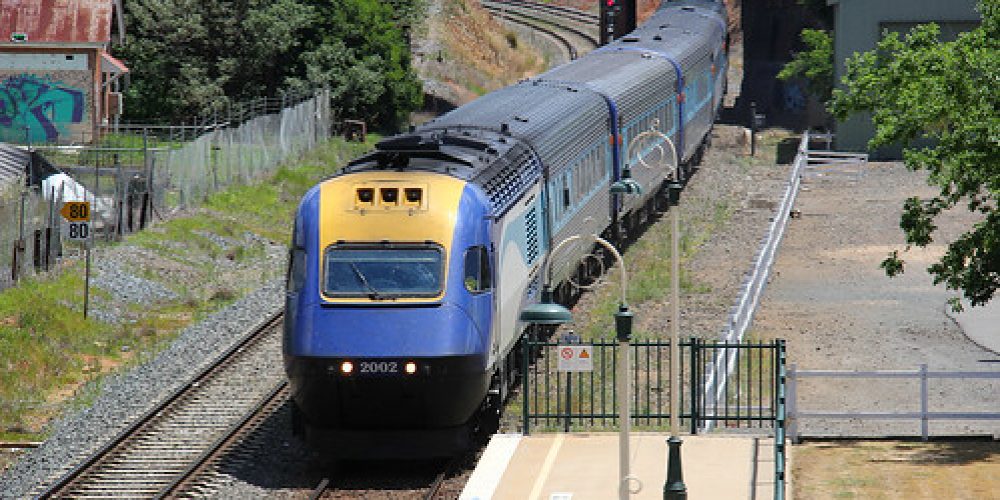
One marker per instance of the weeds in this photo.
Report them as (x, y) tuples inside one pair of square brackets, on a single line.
[(51, 359)]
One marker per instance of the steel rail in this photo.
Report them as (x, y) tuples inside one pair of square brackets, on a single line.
[(203, 375), (225, 441), (318, 491), (570, 49), (528, 13), (579, 15)]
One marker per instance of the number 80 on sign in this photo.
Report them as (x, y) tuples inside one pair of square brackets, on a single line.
[(77, 230)]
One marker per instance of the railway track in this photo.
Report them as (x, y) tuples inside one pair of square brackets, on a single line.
[(560, 10), (162, 452), (427, 481), (566, 26)]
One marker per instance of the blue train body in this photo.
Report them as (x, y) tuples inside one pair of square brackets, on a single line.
[(409, 267)]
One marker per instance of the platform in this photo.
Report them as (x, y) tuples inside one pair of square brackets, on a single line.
[(585, 466)]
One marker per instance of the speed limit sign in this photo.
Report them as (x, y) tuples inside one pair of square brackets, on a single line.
[(77, 215), (78, 230)]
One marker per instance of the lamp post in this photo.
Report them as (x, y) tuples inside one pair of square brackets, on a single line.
[(673, 488), (547, 312)]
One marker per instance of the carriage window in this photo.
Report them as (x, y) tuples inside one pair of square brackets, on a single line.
[(565, 185), (383, 271), (477, 270)]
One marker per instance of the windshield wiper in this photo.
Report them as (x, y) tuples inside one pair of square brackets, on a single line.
[(373, 293)]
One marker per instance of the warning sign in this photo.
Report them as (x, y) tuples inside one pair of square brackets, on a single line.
[(76, 211), (575, 358)]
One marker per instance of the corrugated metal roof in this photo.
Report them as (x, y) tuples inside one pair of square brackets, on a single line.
[(56, 21)]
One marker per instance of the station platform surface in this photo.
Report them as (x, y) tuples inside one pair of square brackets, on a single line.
[(585, 466)]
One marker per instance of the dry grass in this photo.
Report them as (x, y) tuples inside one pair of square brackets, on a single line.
[(896, 470), (479, 55)]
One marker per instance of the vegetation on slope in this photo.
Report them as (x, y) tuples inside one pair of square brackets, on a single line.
[(50, 357), (189, 58)]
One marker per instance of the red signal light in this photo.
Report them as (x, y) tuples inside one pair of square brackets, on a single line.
[(611, 3)]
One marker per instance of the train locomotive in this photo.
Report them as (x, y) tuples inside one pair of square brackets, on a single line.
[(409, 267)]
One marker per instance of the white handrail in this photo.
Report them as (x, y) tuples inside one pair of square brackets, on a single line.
[(746, 305)]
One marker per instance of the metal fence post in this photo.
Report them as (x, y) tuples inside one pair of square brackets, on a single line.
[(923, 402), (526, 379), (791, 417), (695, 389), (780, 450)]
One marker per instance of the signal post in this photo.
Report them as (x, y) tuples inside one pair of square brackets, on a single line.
[(77, 228)]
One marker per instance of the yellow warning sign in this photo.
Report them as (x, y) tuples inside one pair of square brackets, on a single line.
[(76, 211)]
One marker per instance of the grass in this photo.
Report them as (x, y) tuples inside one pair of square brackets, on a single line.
[(896, 470), (648, 263), (51, 359)]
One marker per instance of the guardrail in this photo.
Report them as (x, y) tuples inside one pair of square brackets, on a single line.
[(753, 287), (924, 414)]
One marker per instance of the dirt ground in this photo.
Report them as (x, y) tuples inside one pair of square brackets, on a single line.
[(836, 308), (874, 470)]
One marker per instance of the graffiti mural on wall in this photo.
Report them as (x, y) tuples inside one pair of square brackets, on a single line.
[(40, 107)]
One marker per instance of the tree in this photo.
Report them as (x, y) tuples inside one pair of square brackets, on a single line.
[(921, 91), (191, 57), (357, 50), (814, 64)]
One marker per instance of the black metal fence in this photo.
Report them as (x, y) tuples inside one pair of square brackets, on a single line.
[(575, 401)]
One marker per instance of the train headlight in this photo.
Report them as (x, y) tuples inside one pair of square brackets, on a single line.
[(347, 368), (366, 195), (390, 196), (410, 367), (413, 195)]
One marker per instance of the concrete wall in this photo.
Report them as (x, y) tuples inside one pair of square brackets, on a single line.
[(858, 27), (51, 95)]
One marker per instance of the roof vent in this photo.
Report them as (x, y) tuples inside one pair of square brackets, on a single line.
[(658, 38), (631, 39), (688, 9), (521, 119), (504, 129)]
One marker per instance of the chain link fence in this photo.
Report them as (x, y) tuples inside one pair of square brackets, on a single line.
[(142, 172)]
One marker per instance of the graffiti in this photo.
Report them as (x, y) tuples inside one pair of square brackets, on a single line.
[(38, 108)]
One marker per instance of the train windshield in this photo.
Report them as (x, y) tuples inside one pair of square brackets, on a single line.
[(383, 271)]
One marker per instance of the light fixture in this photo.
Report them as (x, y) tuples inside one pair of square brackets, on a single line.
[(347, 367), (546, 312), (626, 185), (410, 367)]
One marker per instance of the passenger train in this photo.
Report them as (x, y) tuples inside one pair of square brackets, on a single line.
[(409, 267)]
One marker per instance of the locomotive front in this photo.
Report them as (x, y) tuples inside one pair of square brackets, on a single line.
[(388, 313)]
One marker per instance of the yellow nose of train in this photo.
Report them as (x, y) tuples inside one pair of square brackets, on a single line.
[(396, 207)]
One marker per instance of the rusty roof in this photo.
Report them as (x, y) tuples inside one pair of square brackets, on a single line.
[(56, 21)]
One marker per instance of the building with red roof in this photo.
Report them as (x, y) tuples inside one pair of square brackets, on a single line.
[(58, 83)]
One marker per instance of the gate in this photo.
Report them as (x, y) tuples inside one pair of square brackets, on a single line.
[(587, 401)]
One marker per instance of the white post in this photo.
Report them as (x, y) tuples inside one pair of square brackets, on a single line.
[(624, 424), (675, 324), (790, 405), (923, 403)]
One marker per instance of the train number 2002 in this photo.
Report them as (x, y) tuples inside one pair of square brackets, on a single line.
[(375, 367)]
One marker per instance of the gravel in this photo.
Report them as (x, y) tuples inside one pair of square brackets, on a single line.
[(832, 302), (125, 397)]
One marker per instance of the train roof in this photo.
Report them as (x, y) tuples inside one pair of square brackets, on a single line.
[(502, 140)]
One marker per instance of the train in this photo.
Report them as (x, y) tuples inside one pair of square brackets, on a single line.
[(408, 268)]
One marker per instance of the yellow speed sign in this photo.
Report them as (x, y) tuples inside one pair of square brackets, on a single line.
[(76, 211)]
